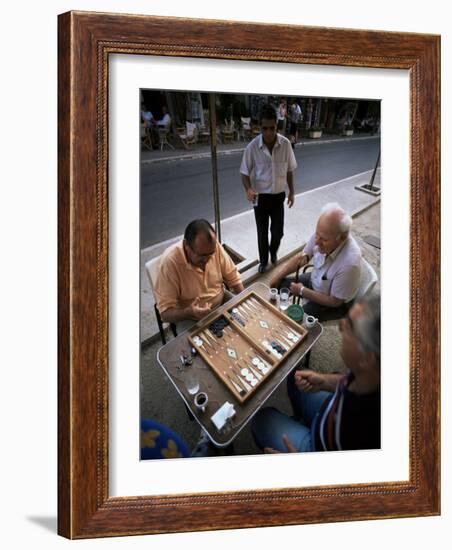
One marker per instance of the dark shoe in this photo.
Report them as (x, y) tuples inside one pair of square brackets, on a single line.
[(262, 268), (274, 258)]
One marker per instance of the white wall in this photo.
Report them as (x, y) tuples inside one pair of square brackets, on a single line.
[(28, 270)]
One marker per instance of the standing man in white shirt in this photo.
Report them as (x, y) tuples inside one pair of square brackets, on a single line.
[(267, 168)]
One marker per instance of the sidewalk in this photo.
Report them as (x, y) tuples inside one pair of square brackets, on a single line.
[(239, 232), (199, 151)]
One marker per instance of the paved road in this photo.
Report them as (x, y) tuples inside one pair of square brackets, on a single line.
[(176, 192)]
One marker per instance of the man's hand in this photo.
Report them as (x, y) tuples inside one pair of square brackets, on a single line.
[(295, 288), (290, 200), (287, 443), (250, 194), (197, 311), (289, 267), (309, 381)]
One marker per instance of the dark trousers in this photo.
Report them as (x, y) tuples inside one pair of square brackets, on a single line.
[(269, 208)]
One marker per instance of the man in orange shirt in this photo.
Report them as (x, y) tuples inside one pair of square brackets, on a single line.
[(193, 274)]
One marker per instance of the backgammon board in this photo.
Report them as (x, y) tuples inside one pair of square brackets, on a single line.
[(246, 344)]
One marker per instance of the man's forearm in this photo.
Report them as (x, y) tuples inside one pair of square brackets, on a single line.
[(330, 381), (175, 314), (287, 269), (237, 288), (290, 182), (290, 267), (246, 182)]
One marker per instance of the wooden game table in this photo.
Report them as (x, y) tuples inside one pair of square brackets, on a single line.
[(221, 379)]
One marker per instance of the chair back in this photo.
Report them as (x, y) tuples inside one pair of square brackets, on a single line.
[(152, 267), (246, 123), (191, 129), (368, 280), (155, 438)]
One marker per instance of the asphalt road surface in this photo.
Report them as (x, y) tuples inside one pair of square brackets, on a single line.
[(176, 192)]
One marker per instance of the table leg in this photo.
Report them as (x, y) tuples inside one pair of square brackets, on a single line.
[(189, 414), (229, 450)]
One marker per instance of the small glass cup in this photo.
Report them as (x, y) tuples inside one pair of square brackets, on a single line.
[(191, 381), (273, 295), (284, 294)]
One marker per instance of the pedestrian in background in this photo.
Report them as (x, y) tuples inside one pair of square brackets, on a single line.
[(281, 116), (294, 118)]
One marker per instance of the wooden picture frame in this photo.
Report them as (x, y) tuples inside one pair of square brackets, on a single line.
[(86, 40)]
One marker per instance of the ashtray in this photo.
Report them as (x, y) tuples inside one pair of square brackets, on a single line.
[(295, 312)]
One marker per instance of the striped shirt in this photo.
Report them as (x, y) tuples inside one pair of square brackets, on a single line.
[(347, 420)]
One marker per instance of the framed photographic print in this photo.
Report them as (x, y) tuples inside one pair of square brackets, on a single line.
[(207, 77)]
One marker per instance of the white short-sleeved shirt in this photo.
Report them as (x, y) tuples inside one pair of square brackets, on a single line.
[(339, 273), (165, 121), (268, 172), (147, 116)]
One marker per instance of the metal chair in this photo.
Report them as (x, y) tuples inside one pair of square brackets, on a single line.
[(227, 133), (163, 138), (245, 130), (255, 130), (203, 134), (146, 136), (188, 135), (152, 267), (369, 279)]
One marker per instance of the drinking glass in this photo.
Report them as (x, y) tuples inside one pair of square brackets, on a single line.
[(284, 299), (191, 381), (273, 295)]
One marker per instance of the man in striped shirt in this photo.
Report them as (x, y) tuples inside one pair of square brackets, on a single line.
[(332, 411)]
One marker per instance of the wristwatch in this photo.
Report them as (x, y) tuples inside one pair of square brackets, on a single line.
[(301, 291)]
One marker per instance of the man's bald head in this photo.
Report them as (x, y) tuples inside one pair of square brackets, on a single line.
[(333, 227)]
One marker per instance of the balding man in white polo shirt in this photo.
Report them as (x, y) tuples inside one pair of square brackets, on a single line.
[(267, 168), (335, 278)]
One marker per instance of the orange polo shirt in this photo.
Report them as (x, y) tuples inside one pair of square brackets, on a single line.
[(179, 282)]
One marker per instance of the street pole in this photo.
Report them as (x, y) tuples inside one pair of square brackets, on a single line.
[(371, 184), (213, 148)]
